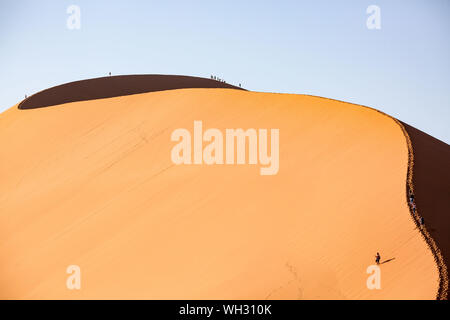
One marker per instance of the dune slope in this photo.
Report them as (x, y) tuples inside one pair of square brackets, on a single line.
[(431, 183), (92, 184)]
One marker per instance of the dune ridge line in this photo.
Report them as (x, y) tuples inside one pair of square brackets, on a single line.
[(437, 254), (442, 293), (116, 86)]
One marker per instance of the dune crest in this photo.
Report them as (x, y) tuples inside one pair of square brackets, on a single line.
[(429, 178), (116, 86)]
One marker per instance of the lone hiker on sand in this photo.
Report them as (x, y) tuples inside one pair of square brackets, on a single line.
[(377, 258)]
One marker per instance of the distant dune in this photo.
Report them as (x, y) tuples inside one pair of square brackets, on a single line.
[(115, 86), (90, 182)]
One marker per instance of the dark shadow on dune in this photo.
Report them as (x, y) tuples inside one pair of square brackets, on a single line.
[(114, 86), (431, 180), (388, 260)]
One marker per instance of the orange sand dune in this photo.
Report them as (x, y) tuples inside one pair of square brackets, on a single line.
[(92, 184)]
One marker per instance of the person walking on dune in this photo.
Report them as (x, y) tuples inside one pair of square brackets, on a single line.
[(377, 258), (411, 197)]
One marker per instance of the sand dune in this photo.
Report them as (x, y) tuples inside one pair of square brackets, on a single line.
[(115, 86), (91, 183)]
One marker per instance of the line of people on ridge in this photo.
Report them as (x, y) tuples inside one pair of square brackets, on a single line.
[(413, 207), (220, 80)]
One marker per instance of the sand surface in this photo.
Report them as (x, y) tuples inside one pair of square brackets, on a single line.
[(92, 184)]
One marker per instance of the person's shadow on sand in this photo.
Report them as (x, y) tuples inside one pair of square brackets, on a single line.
[(386, 261)]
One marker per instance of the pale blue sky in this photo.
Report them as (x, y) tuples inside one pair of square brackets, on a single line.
[(315, 47)]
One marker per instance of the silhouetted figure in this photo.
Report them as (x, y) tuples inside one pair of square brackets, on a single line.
[(25, 96), (411, 197), (239, 85), (377, 258)]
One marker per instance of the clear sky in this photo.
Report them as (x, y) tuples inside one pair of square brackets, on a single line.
[(316, 47)]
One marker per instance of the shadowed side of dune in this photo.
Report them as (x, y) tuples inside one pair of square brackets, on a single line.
[(115, 86), (431, 181), (428, 176)]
